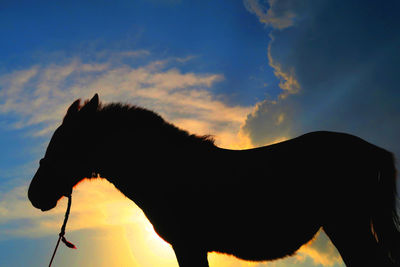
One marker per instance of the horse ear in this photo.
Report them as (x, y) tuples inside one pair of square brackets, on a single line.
[(73, 109), (92, 105)]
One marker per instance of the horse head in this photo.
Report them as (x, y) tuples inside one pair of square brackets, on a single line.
[(67, 159)]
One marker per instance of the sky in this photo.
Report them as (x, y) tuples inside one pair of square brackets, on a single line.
[(248, 72)]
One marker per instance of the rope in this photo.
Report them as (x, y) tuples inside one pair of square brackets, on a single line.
[(62, 232)]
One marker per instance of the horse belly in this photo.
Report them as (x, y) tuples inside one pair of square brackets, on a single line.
[(263, 238), (263, 222)]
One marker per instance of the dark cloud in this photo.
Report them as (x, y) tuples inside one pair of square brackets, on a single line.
[(344, 56)]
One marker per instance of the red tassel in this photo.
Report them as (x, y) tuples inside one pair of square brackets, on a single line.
[(67, 243)]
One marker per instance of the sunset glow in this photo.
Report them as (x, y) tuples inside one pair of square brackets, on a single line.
[(248, 73)]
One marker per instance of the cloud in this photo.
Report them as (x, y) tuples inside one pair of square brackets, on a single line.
[(288, 82), (337, 62), (181, 97), (320, 250), (268, 122), (136, 53), (278, 14)]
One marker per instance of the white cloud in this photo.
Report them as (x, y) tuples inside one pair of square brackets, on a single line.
[(178, 96)]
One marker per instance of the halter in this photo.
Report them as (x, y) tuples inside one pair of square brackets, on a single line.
[(62, 232)]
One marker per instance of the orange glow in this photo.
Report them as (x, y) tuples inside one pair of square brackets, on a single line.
[(79, 182)]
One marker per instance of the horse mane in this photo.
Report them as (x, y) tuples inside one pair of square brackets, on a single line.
[(141, 118)]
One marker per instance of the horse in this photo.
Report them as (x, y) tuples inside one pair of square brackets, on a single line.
[(257, 204)]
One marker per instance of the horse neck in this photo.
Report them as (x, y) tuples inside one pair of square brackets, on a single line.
[(144, 175), (137, 163), (127, 162)]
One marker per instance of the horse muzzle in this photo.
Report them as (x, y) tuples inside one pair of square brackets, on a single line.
[(40, 196), (41, 203)]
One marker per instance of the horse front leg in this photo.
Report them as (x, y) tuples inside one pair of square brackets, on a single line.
[(188, 256)]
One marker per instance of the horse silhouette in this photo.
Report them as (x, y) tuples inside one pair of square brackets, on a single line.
[(257, 204)]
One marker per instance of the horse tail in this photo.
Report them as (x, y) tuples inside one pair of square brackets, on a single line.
[(385, 219)]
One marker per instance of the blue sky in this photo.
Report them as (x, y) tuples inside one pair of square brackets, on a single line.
[(249, 72)]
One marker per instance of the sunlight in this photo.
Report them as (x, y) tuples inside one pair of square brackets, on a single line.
[(224, 260), (159, 246), (147, 247), (101, 205), (113, 246)]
